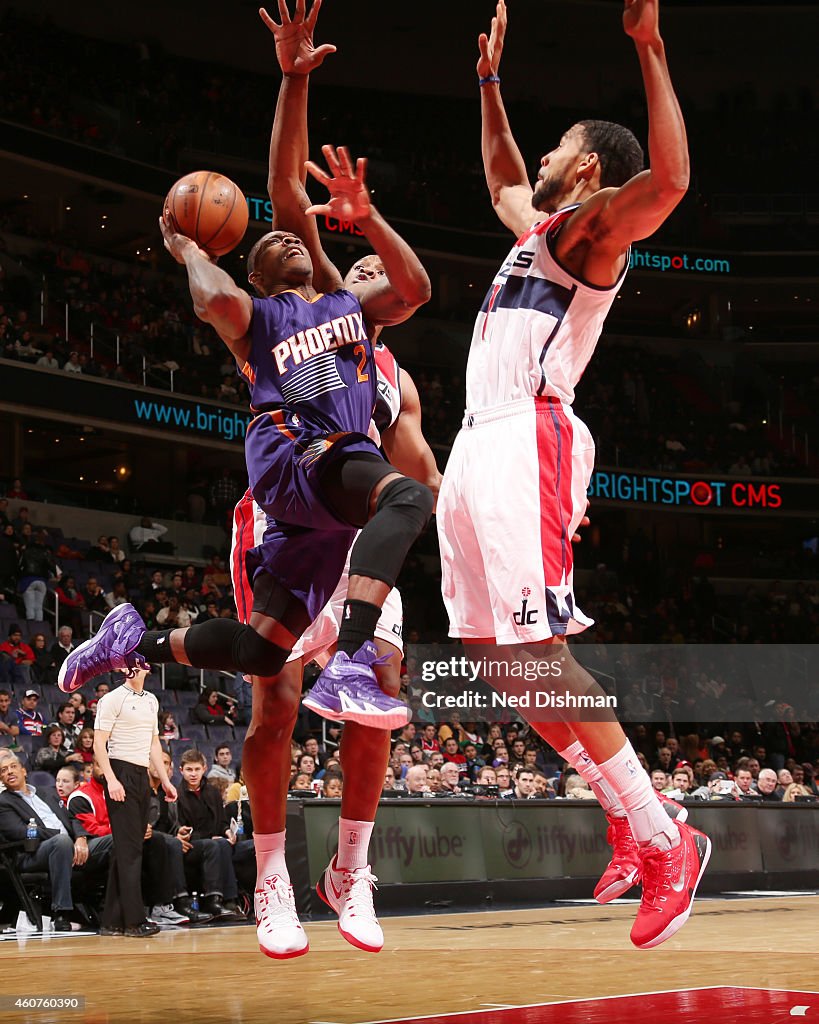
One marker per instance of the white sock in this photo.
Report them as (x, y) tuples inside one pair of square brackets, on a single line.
[(646, 815), (578, 757), (353, 843), (270, 856)]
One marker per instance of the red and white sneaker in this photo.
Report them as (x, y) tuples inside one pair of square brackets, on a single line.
[(670, 879), (623, 869), (278, 928), (350, 894)]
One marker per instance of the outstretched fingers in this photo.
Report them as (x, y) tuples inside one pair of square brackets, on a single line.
[(284, 13), (311, 17), (346, 162), (499, 26), (269, 23), (318, 173), (331, 156)]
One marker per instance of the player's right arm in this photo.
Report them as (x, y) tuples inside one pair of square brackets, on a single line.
[(217, 299), (404, 443), (406, 286), (503, 163), (297, 57)]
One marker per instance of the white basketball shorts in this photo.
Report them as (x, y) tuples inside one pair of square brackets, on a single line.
[(249, 524), (513, 494)]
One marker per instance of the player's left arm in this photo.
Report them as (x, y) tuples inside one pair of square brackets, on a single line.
[(404, 443), (298, 57), (638, 208), (406, 286)]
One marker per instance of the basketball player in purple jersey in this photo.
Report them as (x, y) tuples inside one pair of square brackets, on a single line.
[(308, 360), (347, 883), (521, 440)]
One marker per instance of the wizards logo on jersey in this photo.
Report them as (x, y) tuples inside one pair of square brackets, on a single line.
[(315, 341), (527, 291)]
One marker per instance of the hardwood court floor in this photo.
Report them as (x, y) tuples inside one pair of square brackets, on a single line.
[(432, 964)]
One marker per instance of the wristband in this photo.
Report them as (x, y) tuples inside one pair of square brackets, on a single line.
[(489, 78)]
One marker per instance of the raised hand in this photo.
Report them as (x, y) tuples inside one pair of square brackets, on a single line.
[(294, 38), (641, 20), (491, 46), (349, 196)]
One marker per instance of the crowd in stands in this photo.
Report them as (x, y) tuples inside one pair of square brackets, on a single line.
[(144, 328), (156, 104), (646, 410)]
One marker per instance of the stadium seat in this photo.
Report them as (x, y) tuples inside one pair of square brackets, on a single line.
[(41, 780), (28, 743), (178, 747), (177, 677), (194, 731), (220, 733), (207, 749), (32, 626)]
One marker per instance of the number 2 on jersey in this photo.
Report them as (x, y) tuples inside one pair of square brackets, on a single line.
[(359, 350)]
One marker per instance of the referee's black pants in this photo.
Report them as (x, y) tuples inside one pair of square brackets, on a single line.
[(129, 820)]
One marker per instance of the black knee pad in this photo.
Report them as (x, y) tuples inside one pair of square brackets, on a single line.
[(412, 500), (227, 645), (404, 508)]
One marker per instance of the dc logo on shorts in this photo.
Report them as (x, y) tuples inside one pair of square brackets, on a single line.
[(525, 617)]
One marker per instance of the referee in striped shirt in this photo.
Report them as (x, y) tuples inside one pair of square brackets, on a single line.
[(126, 740)]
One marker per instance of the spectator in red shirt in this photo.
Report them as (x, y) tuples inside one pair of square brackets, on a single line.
[(71, 604), (429, 738), (452, 753), (211, 710), (16, 491), (15, 658)]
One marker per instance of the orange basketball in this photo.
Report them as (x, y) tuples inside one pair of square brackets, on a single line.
[(210, 209)]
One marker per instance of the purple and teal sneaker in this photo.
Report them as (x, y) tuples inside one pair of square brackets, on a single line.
[(111, 649), (347, 691)]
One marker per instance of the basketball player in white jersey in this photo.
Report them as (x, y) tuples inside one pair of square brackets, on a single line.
[(515, 486), (348, 882)]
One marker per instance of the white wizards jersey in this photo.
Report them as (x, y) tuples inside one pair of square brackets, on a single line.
[(388, 396), (388, 392), (538, 325)]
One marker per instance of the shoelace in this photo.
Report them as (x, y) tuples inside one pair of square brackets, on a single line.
[(622, 840), (277, 898), (358, 886), (371, 691), (657, 874)]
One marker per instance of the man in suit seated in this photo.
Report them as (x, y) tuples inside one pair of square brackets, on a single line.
[(62, 843)]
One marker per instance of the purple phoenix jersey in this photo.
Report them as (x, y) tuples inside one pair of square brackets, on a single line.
[(313, 382), (313, 359)]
